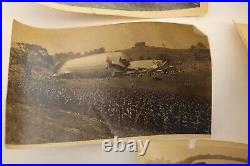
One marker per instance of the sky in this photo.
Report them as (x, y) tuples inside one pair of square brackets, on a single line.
[(112, 37)]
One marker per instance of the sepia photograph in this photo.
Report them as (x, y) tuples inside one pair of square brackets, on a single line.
[(205, 151), (242, 29), (92, 83), (133, 9), (136, 6)]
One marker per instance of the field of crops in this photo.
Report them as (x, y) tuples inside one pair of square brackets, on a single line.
[(44, 109)]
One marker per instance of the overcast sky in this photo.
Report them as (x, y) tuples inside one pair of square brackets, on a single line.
[(112, 37)]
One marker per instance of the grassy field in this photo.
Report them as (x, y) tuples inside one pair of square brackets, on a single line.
[(42, 109)]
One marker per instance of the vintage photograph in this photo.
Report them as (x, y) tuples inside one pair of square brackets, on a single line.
[(202, 152), (91, 83), (136, 6), (242, 30), (133, 9)]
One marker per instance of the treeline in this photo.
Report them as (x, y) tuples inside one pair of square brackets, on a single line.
[(30, 56), (141, 51), (23, 53)]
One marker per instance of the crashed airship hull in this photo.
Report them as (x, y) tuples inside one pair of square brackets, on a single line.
[(89, 66), (98, 65)]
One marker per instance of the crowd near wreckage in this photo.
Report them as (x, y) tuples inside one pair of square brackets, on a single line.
[(114, 64), (109, 68)]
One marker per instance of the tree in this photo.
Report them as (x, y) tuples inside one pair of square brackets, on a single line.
[(29, 63)]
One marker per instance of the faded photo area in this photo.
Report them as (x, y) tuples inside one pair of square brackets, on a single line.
[(136, 6), (133, 9), (202, 152), (90, 83), (243, 32)]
